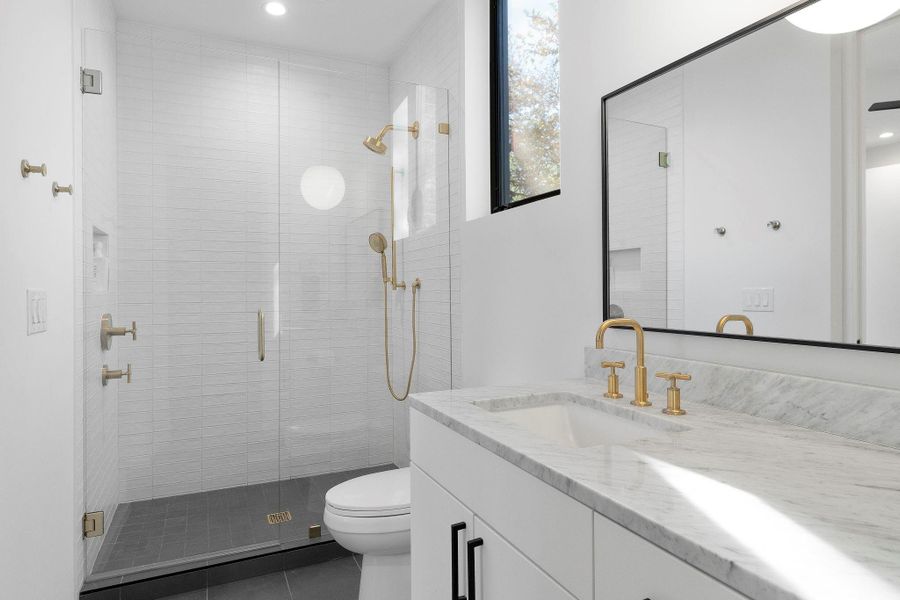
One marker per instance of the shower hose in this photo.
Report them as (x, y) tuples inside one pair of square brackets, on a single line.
[(387, 356)]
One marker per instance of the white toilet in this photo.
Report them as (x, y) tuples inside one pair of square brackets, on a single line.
[(369, 515)]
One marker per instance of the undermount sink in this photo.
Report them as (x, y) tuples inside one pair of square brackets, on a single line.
[(572, 421)]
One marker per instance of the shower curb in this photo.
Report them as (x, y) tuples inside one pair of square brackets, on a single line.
[(160, 586)]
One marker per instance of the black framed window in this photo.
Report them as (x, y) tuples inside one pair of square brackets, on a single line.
[(524, 101)]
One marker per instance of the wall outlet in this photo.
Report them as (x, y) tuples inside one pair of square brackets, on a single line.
[(36, 311), (758, 299)]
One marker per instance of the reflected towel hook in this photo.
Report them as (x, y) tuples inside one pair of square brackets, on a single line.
[(774, 225), (721, 231)]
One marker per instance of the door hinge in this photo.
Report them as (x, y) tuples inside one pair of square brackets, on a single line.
[(92, 524), (91, 81), (664, 160)]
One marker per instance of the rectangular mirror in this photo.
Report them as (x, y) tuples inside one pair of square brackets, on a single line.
[(753, 189)]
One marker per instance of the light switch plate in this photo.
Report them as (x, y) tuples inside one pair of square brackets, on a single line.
[(36, 311), (758, 299)]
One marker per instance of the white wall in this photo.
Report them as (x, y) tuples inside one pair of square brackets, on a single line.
[(36, 251), (773, 85), (534, 272)]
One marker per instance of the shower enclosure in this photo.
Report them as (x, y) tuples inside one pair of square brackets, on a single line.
[(227, 204)]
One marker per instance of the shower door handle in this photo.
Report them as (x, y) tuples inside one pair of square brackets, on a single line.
[(261, 334)]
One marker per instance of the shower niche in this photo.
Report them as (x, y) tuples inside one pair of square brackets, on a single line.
[(240, 206), (98, 274)]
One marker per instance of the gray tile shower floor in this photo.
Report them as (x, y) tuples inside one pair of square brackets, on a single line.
[(333, 580), (201, 526)]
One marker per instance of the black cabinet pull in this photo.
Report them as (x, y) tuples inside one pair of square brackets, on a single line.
[(454, 560), (470, 560)]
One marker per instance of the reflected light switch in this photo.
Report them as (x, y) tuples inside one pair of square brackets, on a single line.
[(758, 299), (36, 311)]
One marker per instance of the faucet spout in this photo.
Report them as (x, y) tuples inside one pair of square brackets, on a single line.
[(641, 397)]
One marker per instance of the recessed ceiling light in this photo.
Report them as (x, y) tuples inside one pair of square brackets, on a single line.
[(276, 9), (843, 16), (886, 135)]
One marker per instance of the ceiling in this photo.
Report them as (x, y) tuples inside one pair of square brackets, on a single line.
[(373, 31)]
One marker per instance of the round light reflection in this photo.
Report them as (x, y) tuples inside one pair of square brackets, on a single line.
[(276, 9), (843, 16), (322, 187)]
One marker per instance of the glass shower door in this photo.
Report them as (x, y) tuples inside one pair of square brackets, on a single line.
[(180, 222)]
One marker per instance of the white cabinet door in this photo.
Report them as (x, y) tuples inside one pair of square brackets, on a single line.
[(433, 516), (628, 567), (504, 573), (547, 526)]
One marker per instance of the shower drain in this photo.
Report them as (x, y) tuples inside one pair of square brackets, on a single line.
[(279, 517)]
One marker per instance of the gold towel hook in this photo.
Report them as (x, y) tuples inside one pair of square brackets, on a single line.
[(27, 168)]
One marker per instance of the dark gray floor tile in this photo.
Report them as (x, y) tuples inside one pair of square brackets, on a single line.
[(195, 595), (333, 580), (267, 587), (145, 532)]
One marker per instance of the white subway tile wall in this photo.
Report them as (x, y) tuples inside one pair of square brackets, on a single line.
[(658, 103)]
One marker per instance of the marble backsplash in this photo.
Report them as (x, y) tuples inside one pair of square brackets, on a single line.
[(852, 411)]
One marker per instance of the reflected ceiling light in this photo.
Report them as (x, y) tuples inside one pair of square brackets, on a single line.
[(276, 9), (843, 16), (322, 187), (886, 135)]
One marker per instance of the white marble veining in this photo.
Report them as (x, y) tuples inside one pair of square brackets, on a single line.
[(869, 414), (772, 510)]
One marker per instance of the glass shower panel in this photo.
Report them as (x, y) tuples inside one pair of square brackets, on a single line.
[(338, 419), (180, 227)]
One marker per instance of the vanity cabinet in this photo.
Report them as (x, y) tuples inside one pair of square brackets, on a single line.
[(629, 567), (536, 540), (532, 541), (442, 527)]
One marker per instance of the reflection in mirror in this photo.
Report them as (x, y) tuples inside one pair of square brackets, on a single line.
[(755, 183)]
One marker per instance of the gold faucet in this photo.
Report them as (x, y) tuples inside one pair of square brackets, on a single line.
[(748, 324), (640, 371)]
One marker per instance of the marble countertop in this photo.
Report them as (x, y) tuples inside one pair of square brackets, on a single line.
[(772, 510)]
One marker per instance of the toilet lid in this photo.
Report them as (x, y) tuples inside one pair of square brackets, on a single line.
[(376, 495)]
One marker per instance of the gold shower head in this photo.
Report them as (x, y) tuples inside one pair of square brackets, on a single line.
[(376, 144)]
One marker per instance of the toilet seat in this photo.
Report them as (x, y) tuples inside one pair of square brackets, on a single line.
[(375, 496)]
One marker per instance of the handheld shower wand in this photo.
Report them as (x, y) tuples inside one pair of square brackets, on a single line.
[(378, 243)]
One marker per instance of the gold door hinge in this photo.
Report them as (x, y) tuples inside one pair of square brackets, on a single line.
[(92, 524), (315, 531), (444, 128), (664, 160)]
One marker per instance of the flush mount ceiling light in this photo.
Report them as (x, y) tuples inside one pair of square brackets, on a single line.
[(843, 16), (886, 135), (276, 9)]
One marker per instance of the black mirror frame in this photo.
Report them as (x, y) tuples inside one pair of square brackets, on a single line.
[(605, 190)]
